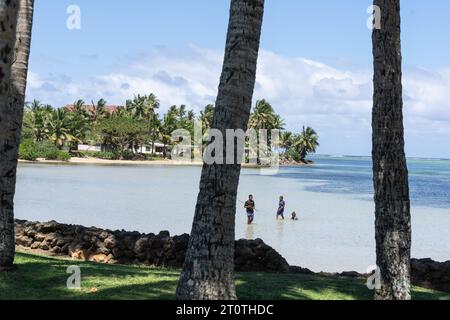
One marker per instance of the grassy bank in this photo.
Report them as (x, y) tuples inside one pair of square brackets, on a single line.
[(39, 277)]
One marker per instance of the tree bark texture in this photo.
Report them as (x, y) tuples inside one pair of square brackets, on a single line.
[(390, 173), (16, 21), (208, 271)]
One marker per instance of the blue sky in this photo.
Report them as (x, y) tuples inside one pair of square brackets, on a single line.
[(315, 62)]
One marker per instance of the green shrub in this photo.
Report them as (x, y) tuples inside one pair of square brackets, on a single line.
[(127, 155), (63, 156), (106, 155), (43, 148), (27, 150), (55, 154), (293, 154), (31, 150), (52, 154), (98, 154)]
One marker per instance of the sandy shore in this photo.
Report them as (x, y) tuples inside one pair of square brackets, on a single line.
[(96, 161), (74, 160)]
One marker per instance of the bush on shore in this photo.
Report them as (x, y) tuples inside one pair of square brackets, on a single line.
[(106, 155), (27, 150), (30, 150)]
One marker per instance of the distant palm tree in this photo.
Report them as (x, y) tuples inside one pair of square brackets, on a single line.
[(12, 91), (97, 112), (208, 271), (264, 117), (306, 142), (79, 107), (39, 117), (142, 107), (278, 123), (286, 140), (206, 117), (59, 128), (390, 173), (155, 133), (168, 125)]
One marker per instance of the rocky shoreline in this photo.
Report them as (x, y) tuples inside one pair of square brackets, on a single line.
[(162, 249)]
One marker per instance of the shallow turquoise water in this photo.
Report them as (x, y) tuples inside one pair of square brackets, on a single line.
[(333, 198)]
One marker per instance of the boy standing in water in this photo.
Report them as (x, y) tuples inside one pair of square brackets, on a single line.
[(250, 207), (281, 205)]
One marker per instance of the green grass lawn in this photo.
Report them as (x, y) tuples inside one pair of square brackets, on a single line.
[(39, 277)]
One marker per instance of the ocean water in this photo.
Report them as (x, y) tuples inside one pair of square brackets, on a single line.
[(333, 199)]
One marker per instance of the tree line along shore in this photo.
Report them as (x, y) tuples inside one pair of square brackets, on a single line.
[(136, 131)]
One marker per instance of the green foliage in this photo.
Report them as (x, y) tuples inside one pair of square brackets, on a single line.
[(122, 132), (42, 147), (27, 150), (293, 154), (51, 154), (298, 146), (127, 155), (63, 156), (31, 150), (125, 129), (98, 154), (264, 117)]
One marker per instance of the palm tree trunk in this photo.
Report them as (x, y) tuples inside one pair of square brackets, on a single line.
[(390, 173), (10, 126), (208, 271)]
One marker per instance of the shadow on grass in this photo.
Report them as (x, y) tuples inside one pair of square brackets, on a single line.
[(300, 287), (274, 286), (40, 277)]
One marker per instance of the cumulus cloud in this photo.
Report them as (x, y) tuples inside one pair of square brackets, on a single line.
[(336, 102)]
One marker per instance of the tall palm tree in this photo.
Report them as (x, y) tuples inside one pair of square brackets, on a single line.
[(39, 118), (208, 271), (263, 116), (97, 112), (142, 107), (13, 71), (306, 142), (390, 173), (167, 126), (59, 128), (155, 133), (79, 107), (286, 140), (206, 117)]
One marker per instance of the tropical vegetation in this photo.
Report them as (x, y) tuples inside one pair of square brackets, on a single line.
[(122, 130)]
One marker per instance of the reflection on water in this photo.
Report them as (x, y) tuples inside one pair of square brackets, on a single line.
[(280, 228), (249, 232), (335, 231)]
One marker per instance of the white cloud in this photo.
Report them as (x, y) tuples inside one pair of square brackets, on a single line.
[(336, 102)]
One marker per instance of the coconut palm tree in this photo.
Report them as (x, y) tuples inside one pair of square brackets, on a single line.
[(142, 107), (206, 117), (264, 117), (97, 112), (155, 133), (390, 173), (306, 142), (79, 107), (286, 140), (13, 71), (59, 128), (167, 126), (208, 271), (38, 118)]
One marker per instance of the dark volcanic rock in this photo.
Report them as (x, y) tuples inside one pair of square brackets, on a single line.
[(431, 274), (133, 247), (164, 250)]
